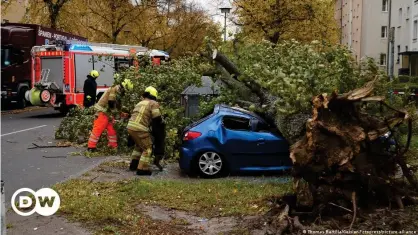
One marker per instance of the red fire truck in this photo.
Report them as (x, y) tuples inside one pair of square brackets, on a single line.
[(59, 71)]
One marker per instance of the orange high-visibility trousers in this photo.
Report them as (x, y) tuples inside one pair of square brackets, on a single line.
[(101, 123)]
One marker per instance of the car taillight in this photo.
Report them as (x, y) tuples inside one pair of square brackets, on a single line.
[(191, 135)]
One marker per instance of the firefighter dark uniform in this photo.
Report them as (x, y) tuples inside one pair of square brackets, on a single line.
[(90, 89), (146, 113)]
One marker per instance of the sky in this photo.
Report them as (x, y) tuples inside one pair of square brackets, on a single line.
[(212, 6)]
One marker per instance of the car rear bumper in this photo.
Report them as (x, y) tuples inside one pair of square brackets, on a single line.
[(185, 161)]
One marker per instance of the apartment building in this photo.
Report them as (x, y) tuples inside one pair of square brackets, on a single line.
[(400, 23), (381, 29), (364, 27), (409, 64)]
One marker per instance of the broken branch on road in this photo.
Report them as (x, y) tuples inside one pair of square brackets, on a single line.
[(54, 156), (48, 146)]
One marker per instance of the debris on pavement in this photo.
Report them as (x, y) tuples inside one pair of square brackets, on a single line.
[(49, 146)]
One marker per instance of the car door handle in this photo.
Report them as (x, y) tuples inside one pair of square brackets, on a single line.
[(260, 141)]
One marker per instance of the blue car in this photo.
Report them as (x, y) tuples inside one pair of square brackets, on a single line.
[(232, 140)]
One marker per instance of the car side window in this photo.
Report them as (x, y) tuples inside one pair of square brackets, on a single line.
[(236, 123), (262, 127)]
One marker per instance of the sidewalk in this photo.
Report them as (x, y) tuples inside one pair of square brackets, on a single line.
[(40, 225)]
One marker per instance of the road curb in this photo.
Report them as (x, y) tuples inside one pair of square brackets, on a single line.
[(77, 175)]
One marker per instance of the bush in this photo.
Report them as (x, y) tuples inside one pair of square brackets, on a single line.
[(413, 80), (402, 79)]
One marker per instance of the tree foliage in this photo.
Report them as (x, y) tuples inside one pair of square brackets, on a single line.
[(169, 79), (285, 77), (276, 20), (176, 26)]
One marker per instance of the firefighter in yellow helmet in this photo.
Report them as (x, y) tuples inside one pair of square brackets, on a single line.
[(145, 116), (90, 89), (106, 109)]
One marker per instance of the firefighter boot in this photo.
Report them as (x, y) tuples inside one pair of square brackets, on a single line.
[(134, 164), (157, 160), (144, 172)]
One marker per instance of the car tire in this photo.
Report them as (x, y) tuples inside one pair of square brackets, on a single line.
[(210, 164)]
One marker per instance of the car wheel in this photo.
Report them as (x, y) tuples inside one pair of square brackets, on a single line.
[(210, 164)]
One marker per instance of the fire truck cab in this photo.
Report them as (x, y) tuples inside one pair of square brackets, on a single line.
[(59, 71)]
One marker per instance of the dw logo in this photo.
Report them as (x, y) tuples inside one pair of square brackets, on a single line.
[(47, 202)]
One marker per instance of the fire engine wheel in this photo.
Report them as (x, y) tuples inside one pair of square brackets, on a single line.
[(21, 102)]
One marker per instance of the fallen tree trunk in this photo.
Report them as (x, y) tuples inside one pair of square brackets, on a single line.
[(292, 126), (342, 151)]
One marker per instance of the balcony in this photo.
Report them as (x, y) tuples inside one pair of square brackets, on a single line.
[(409, 63)]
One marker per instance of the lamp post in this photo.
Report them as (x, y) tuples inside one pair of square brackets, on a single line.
[(225, 10)]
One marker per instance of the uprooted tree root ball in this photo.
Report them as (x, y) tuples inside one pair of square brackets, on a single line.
[(343, 165)]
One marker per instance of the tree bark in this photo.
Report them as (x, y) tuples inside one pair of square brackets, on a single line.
[(226, 63), (54, 11), (232, 69)]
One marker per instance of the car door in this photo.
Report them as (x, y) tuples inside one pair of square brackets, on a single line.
[(237, 141), (273, 148)]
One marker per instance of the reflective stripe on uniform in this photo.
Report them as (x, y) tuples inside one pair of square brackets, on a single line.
[(137, 127), (99, 108), (136, 153), (93, 138), (155, 113), (145, 160), (140, 114)]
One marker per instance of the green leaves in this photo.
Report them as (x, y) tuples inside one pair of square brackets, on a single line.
[(169, 79), (295, 72)]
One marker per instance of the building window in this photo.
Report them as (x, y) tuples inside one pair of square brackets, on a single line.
[(415, 32), (384, 32), (382, 61), (400, 16), (385, 5), (407, 13), (399, 56)]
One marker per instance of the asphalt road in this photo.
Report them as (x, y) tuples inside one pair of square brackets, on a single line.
[(22, 167)]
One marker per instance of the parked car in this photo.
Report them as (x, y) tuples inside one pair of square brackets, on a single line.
[(232, 140)]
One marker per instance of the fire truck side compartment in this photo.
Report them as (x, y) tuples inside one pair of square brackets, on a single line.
[(105, 66), (55, 66), (83, 65)]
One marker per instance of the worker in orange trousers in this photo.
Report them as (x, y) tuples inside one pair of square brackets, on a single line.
[(106, 108)]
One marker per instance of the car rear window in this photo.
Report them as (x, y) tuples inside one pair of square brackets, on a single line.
[(262, 127), (204, 118), (236, 123)]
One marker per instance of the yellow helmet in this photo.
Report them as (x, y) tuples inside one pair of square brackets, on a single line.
[(127, 84), (152, 91), (94, 74)]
